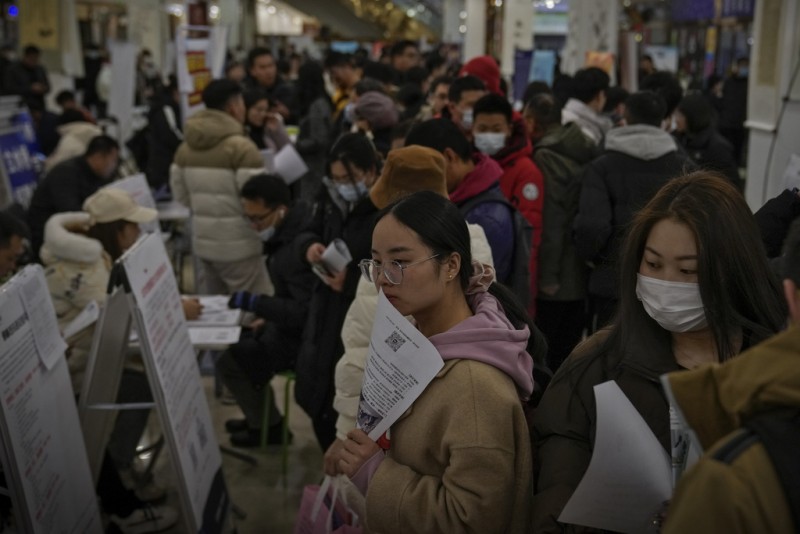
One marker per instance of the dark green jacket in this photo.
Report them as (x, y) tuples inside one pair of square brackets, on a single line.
[(561, 155)]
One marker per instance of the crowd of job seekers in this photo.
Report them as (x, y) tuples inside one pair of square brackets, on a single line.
[(582, 236)]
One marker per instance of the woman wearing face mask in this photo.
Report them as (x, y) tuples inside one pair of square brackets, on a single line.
[(695, 289), (343, 211), (460, 459), (263, 126)]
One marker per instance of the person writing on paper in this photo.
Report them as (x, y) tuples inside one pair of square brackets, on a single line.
[(264, 126), (78, 252), (738, 485), (343, 211), (407, 170), (695, 288), (460, 459), (249, 365)]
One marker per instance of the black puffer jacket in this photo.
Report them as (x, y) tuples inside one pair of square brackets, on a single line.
[(638, 160), (709, 150), (322, 341)]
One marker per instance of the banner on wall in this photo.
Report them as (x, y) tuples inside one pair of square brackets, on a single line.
[(522, 67), (200, 60), (601, 60), (17, 162), (39, 23), (544, 67), (664, 57)]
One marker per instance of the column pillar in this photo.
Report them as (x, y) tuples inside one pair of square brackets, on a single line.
[(518, 18), (475, 37), (593, 25)]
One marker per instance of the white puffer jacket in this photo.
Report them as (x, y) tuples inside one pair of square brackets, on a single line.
[(355, 337), (75, 138), (77, 271), (208, 171)]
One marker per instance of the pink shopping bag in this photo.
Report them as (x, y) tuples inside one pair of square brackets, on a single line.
[(324, 510)]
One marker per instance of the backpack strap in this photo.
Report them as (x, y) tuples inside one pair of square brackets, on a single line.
[(779, 432)]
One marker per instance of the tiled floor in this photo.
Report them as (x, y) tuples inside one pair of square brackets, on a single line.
[(259, 491)]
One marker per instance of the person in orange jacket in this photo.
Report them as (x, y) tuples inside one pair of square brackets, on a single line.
[(497, 134)]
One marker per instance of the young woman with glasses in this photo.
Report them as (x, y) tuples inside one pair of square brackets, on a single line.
[(460, 459)]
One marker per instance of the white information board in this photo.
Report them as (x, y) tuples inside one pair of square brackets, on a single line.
[(44, 453), (177, 388)]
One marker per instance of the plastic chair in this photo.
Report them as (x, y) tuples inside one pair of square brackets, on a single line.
[(290, 377)]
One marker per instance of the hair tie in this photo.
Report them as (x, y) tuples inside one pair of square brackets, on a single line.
[(482, 277)]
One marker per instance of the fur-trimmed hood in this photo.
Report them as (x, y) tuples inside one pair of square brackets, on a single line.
[(63, 240)]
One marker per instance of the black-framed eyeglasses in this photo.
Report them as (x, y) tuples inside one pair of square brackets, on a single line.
[(256, 219), (393, 271)]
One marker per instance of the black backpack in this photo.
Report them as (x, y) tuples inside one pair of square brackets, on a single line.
[(779, 432), (519, 280)]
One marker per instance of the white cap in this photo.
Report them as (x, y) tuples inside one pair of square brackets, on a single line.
[(109, 205)]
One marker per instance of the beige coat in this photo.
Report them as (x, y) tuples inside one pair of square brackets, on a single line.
[(460, 459), (355, 337), (75, 138), (208, 171), (77, 271)]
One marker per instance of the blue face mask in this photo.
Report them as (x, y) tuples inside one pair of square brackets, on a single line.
[(351, 192)]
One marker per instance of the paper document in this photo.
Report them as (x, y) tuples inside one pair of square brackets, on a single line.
[(39, 307), (401, 364), (337, 256), (269, 159), (629, 475), (216, 312), (86, 318), (215, 335), (289, 165), (172, 211)]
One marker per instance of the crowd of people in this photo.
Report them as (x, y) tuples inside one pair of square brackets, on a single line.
[(587, 235)]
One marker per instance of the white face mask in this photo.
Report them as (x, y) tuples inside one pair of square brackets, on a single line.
[(466, 119), (676, 306), (267, 233), (490, 143)]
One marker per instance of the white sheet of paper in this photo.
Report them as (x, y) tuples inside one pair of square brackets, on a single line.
[(791, 176), (336, 256), (401, 364), (289, 165), (215, 335), (172, 211), (213, 303), (211, 317), (629, 475), (87, 317), (269, 159), (35, 298)]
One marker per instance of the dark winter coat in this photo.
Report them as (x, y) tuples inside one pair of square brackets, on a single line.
[(709, 150), (322, 342), (64, 188), (315, 136), (562, 155), (164, 136), (774, 219), (638, 160)]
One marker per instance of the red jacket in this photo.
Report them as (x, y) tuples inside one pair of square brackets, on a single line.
[(523, 185)]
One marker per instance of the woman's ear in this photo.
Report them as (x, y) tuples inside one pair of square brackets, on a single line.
[(453, 266)]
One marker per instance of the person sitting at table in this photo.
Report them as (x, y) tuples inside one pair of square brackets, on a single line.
[(78, 252), (274, 341)]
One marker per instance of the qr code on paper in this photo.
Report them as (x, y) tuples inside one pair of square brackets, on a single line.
[(395, 341)]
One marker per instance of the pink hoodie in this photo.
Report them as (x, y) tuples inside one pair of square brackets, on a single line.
[(490, 338)]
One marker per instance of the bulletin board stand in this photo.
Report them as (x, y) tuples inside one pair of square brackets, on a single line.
[(143, 293), (42, 450)]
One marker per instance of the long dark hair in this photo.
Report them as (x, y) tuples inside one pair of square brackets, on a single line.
[(739, 291), (442, 228), (310, 85), (107, 234)]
